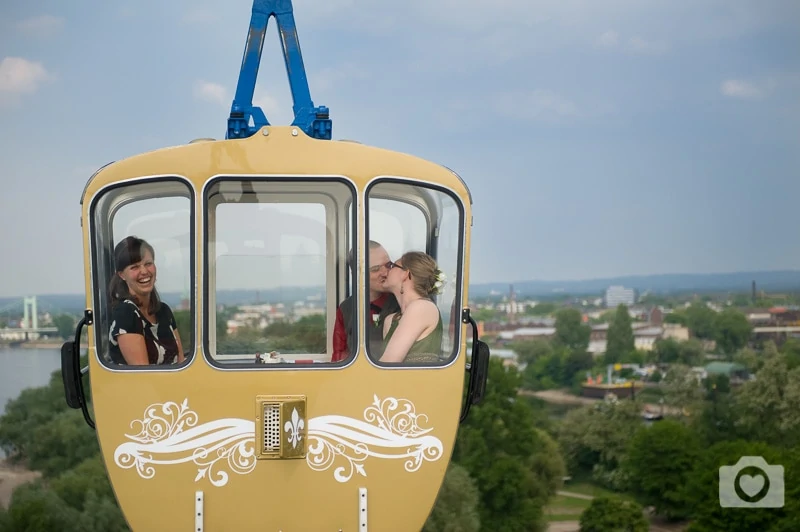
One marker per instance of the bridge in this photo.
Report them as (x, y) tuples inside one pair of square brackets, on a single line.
[(29, 325)]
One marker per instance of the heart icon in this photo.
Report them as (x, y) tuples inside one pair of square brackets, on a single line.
[(751, 485)]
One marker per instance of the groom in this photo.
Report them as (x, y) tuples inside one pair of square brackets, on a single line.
[(381, 305)]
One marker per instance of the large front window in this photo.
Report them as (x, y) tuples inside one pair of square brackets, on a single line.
[(276, 254)]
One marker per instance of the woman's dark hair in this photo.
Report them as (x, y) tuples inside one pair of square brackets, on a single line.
[(130, 251)]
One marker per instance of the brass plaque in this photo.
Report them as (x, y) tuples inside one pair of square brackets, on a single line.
[(281, 427)]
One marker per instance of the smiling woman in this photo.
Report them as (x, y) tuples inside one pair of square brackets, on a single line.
[(143, 329)]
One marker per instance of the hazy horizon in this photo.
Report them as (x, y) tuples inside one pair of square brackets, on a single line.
[(746, 288)]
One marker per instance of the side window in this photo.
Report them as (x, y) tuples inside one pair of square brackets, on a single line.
[(153, 221), (418, 231), (273, 251)]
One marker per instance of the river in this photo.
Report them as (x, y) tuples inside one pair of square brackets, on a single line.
[(25, 368)]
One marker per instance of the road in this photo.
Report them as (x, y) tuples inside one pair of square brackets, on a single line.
[(10, 478)]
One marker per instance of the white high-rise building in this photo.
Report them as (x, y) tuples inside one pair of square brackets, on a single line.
[(616, 295)]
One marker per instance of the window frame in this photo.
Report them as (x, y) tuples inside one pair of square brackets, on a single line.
[(338, 271), (102, 260), (432, 240)]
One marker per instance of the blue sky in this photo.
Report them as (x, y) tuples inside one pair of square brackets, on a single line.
[(598, 138)]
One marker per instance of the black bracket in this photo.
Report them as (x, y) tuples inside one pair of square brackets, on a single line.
[(477, 367), (72, 373)]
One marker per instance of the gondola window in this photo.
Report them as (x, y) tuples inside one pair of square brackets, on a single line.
[(159, 212), (273, 251), (420, 230)]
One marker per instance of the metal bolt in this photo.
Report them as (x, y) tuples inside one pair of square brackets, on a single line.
[(265, 131), (294, 132)]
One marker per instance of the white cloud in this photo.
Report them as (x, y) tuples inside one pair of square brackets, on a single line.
[(19, 76), (211, 92), (737, 88), (41, 25), (278, 114), (608, 39)]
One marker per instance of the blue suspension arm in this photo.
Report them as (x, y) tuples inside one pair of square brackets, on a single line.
[(314, 121)]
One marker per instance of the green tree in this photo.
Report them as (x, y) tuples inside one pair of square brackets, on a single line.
[(485, 314), (605, 514), (718, 417), (575, 366), (676, 317), (769, 405), (594, 438), (791, 350), (748, 358), (620, 343), (546, 372), (660, 459), (703, 489), (496, 445), (65, 325), (682, 389), (456, 507), (542, 309), (529, 351), (74, 485), (700, 320), (666, 351), (732, 330), (103, 515), (61, 444), (692, 352), (32, 409), (571, 332), (34, 508), (548, 465)]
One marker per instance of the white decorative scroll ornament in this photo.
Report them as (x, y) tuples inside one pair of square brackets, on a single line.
[(392, 431), (165, 438), (168, 435)]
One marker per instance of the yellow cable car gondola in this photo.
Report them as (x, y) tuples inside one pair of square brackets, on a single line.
[(265, 393)]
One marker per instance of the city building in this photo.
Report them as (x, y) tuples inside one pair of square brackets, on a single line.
[(619, 295)]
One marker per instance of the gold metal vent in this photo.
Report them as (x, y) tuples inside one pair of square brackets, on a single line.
[(281, 426)]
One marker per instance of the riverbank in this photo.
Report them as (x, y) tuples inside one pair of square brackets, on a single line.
[(563, 397), (12, 476)]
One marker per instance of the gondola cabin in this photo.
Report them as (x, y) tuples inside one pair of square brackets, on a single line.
[(276, 407)]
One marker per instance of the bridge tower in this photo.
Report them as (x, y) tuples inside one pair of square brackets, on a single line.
[(30, 318)]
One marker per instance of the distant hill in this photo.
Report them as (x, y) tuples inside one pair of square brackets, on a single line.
[(770, 281), (75, 303)]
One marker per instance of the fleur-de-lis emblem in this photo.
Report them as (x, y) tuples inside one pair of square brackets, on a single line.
[(295, 428)]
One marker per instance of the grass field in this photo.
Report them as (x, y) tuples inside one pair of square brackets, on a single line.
[(574, 498)]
